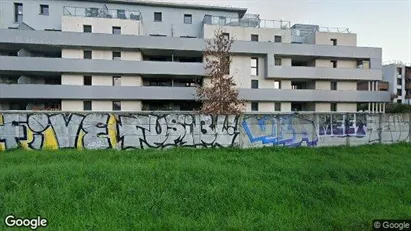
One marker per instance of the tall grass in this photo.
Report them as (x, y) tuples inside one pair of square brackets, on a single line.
[(336, 188)]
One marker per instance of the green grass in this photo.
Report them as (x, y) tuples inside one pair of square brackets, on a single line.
[(338, 188)]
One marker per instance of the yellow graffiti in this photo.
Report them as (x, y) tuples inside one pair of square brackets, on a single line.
[(112, 130), (2, 145)]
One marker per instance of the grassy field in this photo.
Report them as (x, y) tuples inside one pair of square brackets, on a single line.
[(335, 188)]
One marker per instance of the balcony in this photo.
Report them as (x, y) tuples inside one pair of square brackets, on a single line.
[(295, 72), (26, 91), (252, 21), (101, 13), (98, 66)]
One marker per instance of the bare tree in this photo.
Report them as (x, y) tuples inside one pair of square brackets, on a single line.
[(221, 96)]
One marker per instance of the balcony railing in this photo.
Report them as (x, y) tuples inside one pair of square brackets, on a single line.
[(246, 22), (101, 13)]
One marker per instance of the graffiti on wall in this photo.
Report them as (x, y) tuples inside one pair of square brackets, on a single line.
[(342, 125), (280, 130), (122, 131), (389, 128)]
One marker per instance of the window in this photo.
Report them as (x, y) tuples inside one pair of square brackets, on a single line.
[(254, 66), (277, 106), (277, 84), (116, 30), (399, 82), (333, 107), (222, 21), (116, 80), (254, 37), (116, 55), (254, 106), (226, 36), (87, 80), (116, 105), (188, 19), (333, 86), (87, 55), (334, 41), (91, 12), (334, 62), (254, 84), (277, 61), (399, 71), (121, 14), (87, 105), (18, 12), (87, 29), (158, 17), (277, 39), (208, 19), (399, 92), (227, 69), (44, 9)]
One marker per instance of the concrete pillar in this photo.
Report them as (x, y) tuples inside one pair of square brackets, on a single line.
[(377, 86), (369, 107), (383, 108), (369, 85)]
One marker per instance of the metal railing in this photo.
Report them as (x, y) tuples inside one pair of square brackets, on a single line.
[(101, 13), (334, 29), (396, 62), (246, 22)]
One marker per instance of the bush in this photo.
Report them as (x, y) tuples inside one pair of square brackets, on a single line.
[(397, 108)]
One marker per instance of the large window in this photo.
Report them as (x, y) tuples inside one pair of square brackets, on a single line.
[(277, 61), (116, 105), (188, 19), (44, 9), (87, 106), (116, 55), (87, 55), (254, 66), (226, 36), (334, 86), (277, 84), (278, 39), (87, 80), (333, 107), (116, 80), (254, 106), (158, 16), (116, 30), (87, 28), (254, 84), (18, 12), (277, 106), (254, 37)]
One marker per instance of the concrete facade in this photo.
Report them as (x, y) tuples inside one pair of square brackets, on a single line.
[(398, 75), (125, 40)]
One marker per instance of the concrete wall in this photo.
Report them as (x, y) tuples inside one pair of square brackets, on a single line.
[(158, 130)]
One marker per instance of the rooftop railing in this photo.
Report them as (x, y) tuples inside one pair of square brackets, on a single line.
[(101, 13), (396, 62), (246, 22), (334, 29)]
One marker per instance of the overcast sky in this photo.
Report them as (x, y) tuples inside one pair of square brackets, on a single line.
[(377, 23)]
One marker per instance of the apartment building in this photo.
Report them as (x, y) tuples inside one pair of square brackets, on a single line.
[(117, 55), (398, 75)]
